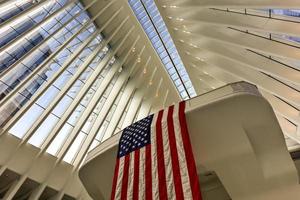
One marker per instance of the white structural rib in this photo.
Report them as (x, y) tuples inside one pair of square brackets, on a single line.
[(43, 66), (235, 3), (221, 41), (35, 28), (120, 77)]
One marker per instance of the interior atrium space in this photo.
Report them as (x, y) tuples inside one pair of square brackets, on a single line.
[(75, 73)]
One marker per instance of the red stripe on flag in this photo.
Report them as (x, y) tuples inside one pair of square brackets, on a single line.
[(148, 173), (162, 187), (125, 178), (136, 174), (174, 155), (113, 192), (192, 171)]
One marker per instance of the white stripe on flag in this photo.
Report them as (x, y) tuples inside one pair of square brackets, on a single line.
[(167, 157), (142, 174), (130, 176), (155, 192), (120, 178), (181, 156)]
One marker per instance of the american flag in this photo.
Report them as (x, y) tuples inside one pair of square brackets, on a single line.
[(155, 159)]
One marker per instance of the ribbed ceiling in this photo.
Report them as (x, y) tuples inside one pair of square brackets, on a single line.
[(224, 41)]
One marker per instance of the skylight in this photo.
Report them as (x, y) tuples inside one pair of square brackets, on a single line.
[(287, 12), (154, 26)]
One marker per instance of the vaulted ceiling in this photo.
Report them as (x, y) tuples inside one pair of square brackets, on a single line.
[(223, 41)]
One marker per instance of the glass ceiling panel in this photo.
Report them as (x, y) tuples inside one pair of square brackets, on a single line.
[(287, 12), (154, 26)]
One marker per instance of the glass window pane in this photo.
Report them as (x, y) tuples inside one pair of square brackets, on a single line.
[(154, 26)]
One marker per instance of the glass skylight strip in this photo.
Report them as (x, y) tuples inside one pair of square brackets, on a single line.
[(283, 13), (154, 26), (287, 12), (51, 37)]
